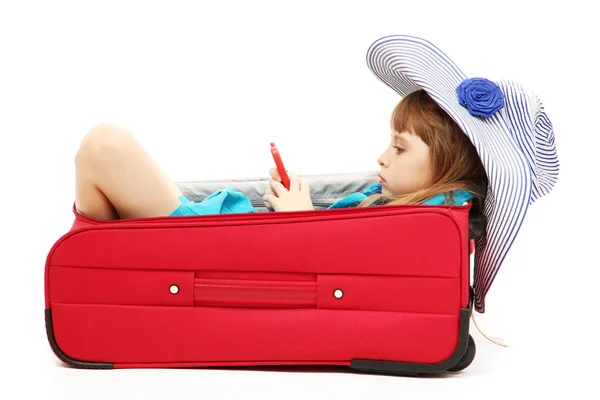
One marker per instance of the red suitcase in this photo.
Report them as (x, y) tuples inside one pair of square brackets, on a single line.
[(382, 289)]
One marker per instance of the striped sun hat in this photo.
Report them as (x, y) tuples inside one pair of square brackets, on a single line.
[(505, 122)]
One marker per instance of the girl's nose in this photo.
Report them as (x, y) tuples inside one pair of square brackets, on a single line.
[(382, 161)]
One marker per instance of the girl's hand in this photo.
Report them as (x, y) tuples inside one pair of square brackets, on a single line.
[(275, 175), (280, 199)]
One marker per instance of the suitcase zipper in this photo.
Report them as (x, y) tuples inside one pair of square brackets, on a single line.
[(316, 203), (263, 216), (164, 218), (248, 293)]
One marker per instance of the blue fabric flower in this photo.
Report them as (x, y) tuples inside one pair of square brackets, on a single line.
[(481, 96)]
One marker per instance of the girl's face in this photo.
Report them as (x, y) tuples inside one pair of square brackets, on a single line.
[(405, 165)]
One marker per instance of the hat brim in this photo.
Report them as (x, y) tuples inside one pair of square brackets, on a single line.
[(406, 64)]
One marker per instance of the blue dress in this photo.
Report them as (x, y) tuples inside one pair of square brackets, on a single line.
[(229, 201)]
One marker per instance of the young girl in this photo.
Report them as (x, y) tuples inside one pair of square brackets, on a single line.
[(429, 161)]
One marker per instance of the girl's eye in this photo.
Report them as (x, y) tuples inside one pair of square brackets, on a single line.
[(398, 149)]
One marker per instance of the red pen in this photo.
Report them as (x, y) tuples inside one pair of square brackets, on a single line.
[(282, 172)]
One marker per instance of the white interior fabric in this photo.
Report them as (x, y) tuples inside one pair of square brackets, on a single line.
[(324, 189)]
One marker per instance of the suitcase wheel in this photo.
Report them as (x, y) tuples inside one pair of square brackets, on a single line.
[(467, 358)]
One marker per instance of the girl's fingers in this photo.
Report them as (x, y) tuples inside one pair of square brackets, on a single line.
[(268, 192), (274, 174), (270, 200), (304, 185), (294, 183), (277, 187)]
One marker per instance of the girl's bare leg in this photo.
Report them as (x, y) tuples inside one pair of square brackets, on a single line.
[(117, 178)]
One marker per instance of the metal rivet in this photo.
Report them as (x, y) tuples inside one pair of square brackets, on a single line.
[(174, 289), (338, 293)]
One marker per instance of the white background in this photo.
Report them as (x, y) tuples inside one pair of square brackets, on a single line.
[(205, 86)]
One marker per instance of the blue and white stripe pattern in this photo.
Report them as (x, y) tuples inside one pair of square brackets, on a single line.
[(516, 144)]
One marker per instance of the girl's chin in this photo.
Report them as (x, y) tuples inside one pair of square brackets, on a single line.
[(386, 191)]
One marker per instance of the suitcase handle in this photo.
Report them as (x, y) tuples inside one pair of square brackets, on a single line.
[(254, 293)]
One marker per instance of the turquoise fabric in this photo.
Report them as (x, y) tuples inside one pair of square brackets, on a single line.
[(226, 201), (460, 196), (229, 201)]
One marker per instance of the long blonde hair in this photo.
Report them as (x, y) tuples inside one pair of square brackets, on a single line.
[(455, 162)]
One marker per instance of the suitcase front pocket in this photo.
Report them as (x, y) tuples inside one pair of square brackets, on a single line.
[(255, 293)]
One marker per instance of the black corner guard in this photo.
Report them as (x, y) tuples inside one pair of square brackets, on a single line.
[(62, 356), (477, 225), (404, 368)]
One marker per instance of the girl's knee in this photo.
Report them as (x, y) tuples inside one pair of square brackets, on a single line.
[(104, 141)]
